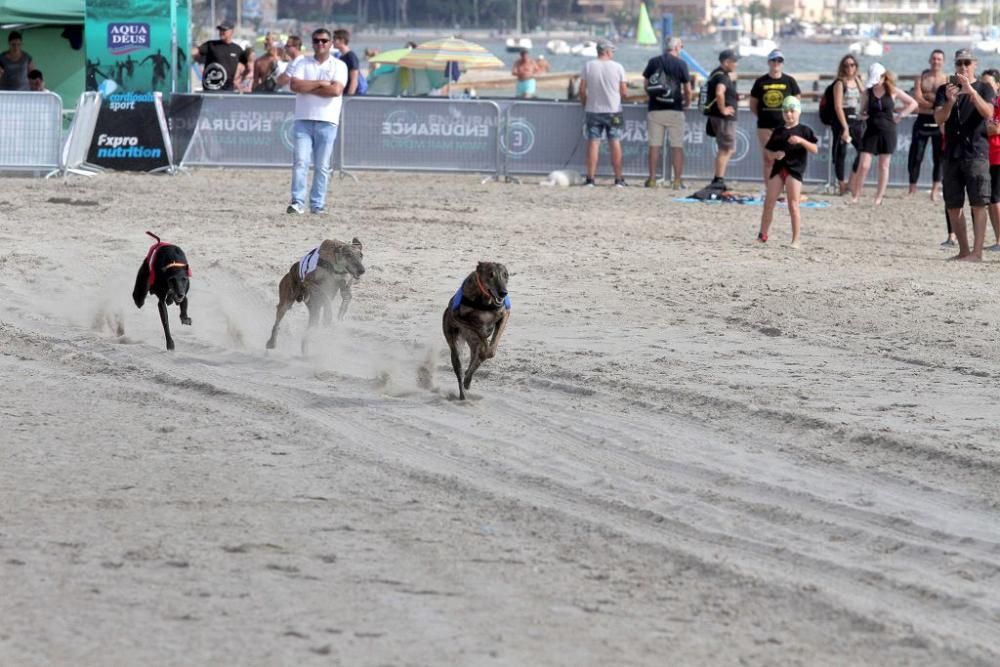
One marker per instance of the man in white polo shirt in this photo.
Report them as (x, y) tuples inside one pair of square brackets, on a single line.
[(318, 82)]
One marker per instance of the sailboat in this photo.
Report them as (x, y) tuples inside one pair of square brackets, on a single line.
[(644, 33)]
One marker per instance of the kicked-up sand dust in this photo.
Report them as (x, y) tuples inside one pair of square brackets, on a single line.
[(688, 450)]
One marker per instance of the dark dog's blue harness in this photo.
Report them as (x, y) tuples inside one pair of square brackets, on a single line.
[(460, 300)]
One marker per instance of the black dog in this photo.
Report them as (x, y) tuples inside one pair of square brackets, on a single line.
[(165, 273)]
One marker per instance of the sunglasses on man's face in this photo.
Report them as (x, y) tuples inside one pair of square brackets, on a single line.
[(964, 63), (321, 41)]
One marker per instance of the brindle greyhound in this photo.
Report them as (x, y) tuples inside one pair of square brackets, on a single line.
[(479, 309), (337, 266), (165, 273)]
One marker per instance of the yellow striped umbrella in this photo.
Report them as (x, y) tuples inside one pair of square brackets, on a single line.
[(440, 52), (389, 57)]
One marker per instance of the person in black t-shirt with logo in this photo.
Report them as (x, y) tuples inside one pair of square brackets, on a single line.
[(668, 84), (225, 62), (788, 148), (963, 105), (766, 97)]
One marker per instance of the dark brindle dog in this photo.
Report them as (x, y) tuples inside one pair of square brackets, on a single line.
[(165, 273), (316, 279), (480, 309)]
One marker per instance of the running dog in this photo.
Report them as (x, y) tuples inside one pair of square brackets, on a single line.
[(316, 279), (479, 309), (165, 272)]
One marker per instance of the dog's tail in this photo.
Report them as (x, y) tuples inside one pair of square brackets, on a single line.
[(154, 236)]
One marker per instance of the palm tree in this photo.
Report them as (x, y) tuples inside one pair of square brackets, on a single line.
[(755, 9)]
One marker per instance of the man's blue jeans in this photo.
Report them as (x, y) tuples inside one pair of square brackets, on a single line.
[(314, 141)]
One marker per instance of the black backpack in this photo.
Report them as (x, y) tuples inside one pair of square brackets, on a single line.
[(662, 86)]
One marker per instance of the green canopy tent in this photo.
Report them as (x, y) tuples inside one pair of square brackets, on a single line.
[(51, 29)]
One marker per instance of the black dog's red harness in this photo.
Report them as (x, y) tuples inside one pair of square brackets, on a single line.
[(151, 259)]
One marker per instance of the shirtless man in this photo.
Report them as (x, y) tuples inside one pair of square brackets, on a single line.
[(524, 69), (266, 69), (924, 128)]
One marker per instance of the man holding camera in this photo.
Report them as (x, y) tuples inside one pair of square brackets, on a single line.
[(963, 105)]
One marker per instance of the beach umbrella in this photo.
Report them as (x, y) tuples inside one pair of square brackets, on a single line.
[(438, 53), (391, 57)]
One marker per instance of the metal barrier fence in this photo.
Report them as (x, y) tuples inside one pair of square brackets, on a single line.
[(433, 134), (30, 131), (540, 137), (81, 131), (417, 134), (218, 130)]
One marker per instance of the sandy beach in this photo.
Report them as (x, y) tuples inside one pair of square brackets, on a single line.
[(689, 450)]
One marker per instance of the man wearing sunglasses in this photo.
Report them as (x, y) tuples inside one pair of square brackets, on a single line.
[(318, 82), (963, 105), (225, 62)]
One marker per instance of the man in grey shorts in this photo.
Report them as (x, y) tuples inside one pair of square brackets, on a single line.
[(721, 110), (602, 87)]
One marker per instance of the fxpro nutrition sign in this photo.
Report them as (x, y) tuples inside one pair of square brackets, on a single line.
[(131, 134)]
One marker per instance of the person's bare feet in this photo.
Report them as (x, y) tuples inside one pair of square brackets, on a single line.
[(844, 189), (935, 194), (912, 190), (852, 200), (971, 257), (878, 201), (795, 245)]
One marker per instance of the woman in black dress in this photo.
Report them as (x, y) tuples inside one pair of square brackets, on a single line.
[(878, 108)]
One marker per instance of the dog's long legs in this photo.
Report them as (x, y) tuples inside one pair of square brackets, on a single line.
[(184, 312), (161, 306), (475, 358), (328, 306), (490, 350), (456, 365), (282, 308), (345, 300), (315, 306)]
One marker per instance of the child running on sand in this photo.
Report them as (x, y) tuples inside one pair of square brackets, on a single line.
[(789, 145)]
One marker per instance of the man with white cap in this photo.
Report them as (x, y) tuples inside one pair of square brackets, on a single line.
[(963, 105), (602, 87), (766, 97)]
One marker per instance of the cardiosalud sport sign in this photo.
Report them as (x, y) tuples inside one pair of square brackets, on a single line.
[(131, 134)]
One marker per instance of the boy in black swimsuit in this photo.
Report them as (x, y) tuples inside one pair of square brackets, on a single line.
[(789, 146)]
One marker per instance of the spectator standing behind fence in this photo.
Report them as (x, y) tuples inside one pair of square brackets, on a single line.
[(720, 107), (36, 82), (963, 105), (766, 97), (602, 87), (341, 41), (293, 52), (848, 128), (924, 127), (15, 64), (267, 68), (318, 82), (524, 70), (668, 85), (225, 61), (991, 77), (789, 146), (878, 104)]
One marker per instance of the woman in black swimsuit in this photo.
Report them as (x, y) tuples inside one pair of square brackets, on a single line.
[(878, 106)]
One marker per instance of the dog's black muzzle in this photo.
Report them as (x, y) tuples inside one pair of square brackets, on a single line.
[(177, 289)]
